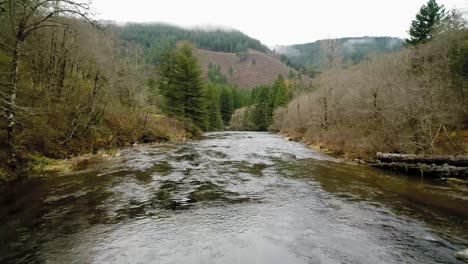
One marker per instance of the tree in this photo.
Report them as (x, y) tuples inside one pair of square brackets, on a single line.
[(215, 75), (24, 18), (215, 122), (427, 20), (227, 104), (167, 82), (330, 53), (182, 85), (281, 92)]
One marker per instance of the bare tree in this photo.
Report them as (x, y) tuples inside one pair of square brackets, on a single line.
[(24, 18), (330, 52)]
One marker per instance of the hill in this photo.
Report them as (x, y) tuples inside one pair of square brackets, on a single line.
[(246, 70), (156, 38), (242, 60), (353, 51)]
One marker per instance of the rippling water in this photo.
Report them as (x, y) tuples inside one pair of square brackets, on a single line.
[(231, 198)]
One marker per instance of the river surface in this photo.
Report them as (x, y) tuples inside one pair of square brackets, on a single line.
[(231, 198)]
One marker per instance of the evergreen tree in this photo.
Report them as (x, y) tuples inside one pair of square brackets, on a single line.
[(263, 111), (215, 122), (281, 97), (426, 21), (181, 84), (215, 74), (227, 104), (167, 82)]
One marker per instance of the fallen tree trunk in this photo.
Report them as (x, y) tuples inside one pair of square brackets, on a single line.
[(460, 161), (430, 170)]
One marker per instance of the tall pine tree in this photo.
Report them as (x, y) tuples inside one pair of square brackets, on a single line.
[(281, 92), (226, 104), (422, 27), (182, 85), (215, 122)]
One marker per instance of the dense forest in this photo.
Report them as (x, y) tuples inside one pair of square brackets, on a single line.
[(156, 38), (71, 85), (307, 58), (411, 101), (407, 101)]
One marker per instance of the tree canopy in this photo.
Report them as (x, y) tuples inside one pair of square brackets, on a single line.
[(154, 38), (182, 85), (427, 19)]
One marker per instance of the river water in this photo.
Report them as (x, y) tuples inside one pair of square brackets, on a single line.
[(231, 198)]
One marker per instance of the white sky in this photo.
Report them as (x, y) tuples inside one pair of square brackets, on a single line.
[(277, 22)]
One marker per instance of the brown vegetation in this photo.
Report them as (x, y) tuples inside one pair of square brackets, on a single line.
[(78, 92), (413, 101), (248, 70)]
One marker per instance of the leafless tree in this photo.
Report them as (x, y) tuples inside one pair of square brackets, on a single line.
[(24, 17)]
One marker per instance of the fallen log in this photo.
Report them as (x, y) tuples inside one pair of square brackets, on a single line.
[(430, 170), (460, 161)]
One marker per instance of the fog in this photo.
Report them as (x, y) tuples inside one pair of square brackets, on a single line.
[(291, 22)]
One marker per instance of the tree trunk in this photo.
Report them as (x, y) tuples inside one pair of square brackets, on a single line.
[(11, 112), (425, 159), (430, 170)]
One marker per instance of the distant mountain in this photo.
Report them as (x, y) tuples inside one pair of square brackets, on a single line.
[(155, 38), (246, 70), (242, 60), (353, 51), (245, 61)]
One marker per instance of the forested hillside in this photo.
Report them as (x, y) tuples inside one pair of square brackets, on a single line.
[(307, 57), (407, 101), (71, 85), (247, 70), (411, 101), (155, 38)]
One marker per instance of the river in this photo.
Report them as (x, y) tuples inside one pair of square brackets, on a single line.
[(234, 197)]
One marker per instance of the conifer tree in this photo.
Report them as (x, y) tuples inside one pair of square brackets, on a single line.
[(215, 122), (422, 27), (182, 85), (281, 92), (227, 104), (173, 93)]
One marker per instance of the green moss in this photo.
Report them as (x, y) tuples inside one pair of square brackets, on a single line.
[(5, 61), (4, 176), (39, 162)]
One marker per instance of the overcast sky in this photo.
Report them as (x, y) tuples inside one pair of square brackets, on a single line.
[(277, 22)]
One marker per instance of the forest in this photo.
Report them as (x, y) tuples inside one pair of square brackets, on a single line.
[(307, 58), (155, 38), (410, 101), (71, 85)]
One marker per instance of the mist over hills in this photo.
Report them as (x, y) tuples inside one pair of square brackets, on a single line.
[(237, 52), (353, 50)]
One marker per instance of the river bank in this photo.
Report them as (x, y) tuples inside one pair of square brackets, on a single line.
[(443, 171), (35, 158)]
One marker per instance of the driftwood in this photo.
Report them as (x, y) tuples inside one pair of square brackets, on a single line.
[(430, 170), (461, 161), (440, 166)]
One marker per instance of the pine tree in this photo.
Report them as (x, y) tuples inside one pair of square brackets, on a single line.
[(281, 92), (227, 104), (426, 21), (182, 85), (167, 83), (215, 122)]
